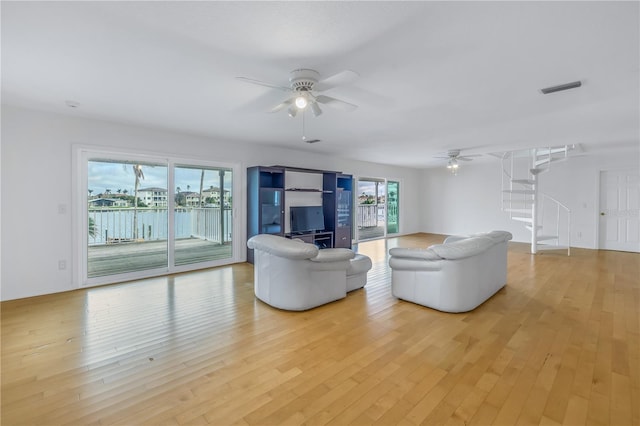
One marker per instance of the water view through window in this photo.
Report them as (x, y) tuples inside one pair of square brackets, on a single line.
[(140, 221)]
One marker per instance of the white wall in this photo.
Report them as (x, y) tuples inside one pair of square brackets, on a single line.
[(36, 225), (37, 162), (470, 201)]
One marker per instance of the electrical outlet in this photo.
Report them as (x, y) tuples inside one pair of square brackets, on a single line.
[(62, 264)]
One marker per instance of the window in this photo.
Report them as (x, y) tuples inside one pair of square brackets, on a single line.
[(143, 216)]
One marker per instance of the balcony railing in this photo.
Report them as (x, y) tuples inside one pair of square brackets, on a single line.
[(114, 225), (369, 215)]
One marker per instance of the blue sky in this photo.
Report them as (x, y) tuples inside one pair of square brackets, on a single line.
[(114, 176)]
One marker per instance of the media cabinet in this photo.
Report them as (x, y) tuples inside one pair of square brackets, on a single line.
[(272, 190)]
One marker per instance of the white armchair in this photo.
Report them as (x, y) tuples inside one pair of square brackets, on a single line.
[(456, 276), (293, 275)]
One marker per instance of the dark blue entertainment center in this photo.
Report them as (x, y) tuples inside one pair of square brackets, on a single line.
[(326, 223)]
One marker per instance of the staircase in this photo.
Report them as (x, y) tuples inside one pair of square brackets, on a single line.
[(547, 218)]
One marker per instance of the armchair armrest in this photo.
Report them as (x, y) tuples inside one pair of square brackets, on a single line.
[(413, 253), (282, 247), (454, 238), (333, 255)]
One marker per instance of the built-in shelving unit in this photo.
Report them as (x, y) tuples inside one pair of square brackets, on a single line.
[(265, 202), (273, 190), (307, 190)]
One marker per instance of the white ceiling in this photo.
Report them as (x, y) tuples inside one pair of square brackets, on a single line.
[(433, 75)]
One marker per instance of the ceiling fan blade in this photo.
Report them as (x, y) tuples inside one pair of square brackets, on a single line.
[(468, 157), (339, 79), (336, 103), (282, 105), (263, 83)]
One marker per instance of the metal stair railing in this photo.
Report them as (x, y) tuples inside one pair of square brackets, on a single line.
[(558, 206), (506, 175), (546, 156), (526, 204), (513, 199)]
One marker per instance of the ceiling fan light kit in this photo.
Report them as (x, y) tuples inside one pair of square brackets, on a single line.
[(301, 102), (315, 109)]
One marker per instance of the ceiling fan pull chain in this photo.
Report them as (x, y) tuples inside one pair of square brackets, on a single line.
[(304, 138)]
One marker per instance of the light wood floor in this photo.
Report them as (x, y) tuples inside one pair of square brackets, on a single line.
[(559, 345)]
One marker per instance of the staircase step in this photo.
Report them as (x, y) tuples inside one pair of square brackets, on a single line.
[(524, 181), (523, 201), (522, 219), (546, 237), (519, 191), (526, 211), (548, 160), (551, 247), (537, 171)]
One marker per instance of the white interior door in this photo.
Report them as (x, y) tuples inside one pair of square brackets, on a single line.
[(620, 210)]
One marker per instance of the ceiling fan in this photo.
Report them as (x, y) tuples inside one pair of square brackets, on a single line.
[(453, 156), (305, 88)]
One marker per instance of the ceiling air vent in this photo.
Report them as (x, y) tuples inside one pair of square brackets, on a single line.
[(561, 87)]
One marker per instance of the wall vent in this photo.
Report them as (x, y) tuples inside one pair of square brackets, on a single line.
[(561, 87)]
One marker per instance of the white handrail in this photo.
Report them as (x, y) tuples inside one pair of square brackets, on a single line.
[(568, 211)]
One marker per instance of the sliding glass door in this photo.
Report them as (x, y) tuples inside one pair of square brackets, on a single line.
[(393, 207), (127, 229), (203, 214), (377, 208), (145, 217)]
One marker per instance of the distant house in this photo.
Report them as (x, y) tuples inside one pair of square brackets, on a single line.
[(153, 197), (212, 196), (108, 202), (192, 199)]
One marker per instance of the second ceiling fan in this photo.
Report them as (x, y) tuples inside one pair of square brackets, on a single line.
[(453, 156), (305, 88)]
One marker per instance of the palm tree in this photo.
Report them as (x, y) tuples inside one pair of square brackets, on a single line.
[(137, 170), (93, 230), (201, 183)]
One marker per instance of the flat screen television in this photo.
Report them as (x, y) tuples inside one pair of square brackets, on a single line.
[(306, 219)]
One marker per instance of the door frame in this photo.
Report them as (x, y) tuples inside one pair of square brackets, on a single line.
[(600, 207), (355, 194), (79, 199)]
